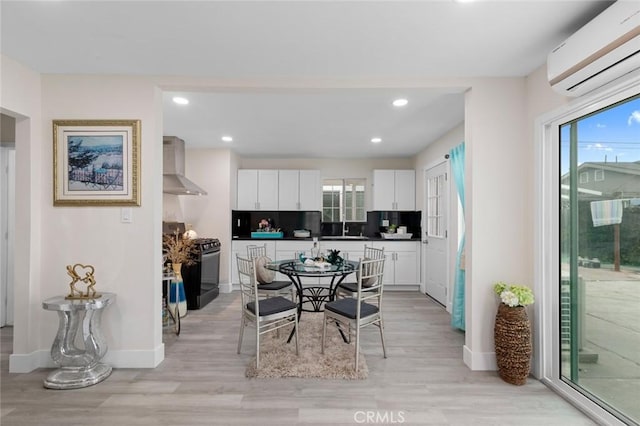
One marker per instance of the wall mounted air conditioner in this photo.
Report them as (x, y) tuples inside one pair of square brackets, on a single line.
[(606, 48)]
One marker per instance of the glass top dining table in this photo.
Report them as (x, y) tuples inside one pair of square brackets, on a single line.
[(313, 293)]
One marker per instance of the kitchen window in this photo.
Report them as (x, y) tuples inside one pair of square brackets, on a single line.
[(343, 200)]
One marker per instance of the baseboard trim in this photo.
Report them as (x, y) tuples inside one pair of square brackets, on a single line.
[(26, 363), (135, 359), (225, 287), (479, 361)]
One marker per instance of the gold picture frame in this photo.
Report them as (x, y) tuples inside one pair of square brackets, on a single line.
[(96, 162)]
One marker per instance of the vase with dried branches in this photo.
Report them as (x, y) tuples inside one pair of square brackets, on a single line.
[(179, 251)]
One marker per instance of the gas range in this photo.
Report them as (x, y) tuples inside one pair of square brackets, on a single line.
[(207, 245)]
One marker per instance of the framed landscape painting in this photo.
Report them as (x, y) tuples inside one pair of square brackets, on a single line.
[(96, 162)]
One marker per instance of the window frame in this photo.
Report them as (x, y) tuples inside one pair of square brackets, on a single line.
[(344, 183), (595, 175)]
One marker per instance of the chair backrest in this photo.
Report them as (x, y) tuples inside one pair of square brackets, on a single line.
[(255, 251), (373, 253), (248, 282), (370, 270)]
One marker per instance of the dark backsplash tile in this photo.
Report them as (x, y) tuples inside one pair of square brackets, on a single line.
[(243, 222), (412, 220)]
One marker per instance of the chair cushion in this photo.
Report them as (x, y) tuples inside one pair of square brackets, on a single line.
[(272, 305), (264, 275), (274, 285), (367, 269), (347, 307)]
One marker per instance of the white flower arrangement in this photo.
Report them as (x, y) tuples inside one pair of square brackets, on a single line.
[(514, 295)]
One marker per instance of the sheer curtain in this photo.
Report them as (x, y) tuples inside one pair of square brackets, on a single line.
[(457, 166)]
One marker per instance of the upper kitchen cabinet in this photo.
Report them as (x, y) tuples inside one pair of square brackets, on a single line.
[(299, 190), (394, 190), (257, 189)]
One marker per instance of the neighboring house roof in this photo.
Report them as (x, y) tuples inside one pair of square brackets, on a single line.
[(632, 167), (619, 180)]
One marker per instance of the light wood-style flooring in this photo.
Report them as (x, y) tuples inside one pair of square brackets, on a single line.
[(202, 382)]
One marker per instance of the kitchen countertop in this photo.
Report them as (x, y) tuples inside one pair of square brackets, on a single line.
[(323, 238)]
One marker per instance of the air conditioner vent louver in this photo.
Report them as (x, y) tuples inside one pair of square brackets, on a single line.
[(605, 49)]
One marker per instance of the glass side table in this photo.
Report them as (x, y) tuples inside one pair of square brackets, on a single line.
[(79, 366)]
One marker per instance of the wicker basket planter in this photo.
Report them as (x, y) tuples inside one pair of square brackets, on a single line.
[(512, 334)]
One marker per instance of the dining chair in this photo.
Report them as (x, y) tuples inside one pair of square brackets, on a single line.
[(255, 251), (265, 314), (358, 312), (267, 287), (350, 289)]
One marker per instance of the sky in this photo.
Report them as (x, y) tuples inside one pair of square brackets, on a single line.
[(614, 133)]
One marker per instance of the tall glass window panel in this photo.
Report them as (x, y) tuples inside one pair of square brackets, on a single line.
[(343, 199), (600, 256), (331, 200)]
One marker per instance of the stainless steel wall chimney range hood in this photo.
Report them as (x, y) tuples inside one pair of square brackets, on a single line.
[(173, 179)]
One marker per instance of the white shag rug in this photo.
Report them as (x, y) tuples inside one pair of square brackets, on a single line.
[(278, 358)]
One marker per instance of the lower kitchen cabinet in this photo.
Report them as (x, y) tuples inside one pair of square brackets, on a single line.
[(240, 248), (402, 266)]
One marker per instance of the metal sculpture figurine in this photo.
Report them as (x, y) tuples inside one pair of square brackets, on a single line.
[(88, 279)]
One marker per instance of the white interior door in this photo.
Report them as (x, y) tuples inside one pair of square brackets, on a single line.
[(435, 238)]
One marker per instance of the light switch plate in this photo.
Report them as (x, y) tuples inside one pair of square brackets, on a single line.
[(126, 215), (385, 222)]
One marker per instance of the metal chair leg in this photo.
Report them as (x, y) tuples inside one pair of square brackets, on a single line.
[(258, 345), (324, 333), (357, 345), (295, 325), (242, 325), (384, 349)]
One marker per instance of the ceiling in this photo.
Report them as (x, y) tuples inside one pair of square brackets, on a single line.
[(276, 42)]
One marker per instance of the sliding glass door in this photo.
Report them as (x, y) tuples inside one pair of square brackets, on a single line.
[(599, 294)]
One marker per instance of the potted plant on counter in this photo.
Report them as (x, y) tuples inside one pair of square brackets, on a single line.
[(512, 332)]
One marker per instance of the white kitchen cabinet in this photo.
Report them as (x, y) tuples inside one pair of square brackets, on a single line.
[(402, 265), (257, 189), (299, 190), (394, 190), (240, 248)]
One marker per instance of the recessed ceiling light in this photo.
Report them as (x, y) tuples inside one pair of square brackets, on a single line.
[(376, 140), (227, 139), (180, 101), (400, 102)]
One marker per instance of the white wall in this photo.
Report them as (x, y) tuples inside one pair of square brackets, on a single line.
[(126, 256), (210, 214), (20, 97), (498, 166), (172, 210)]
